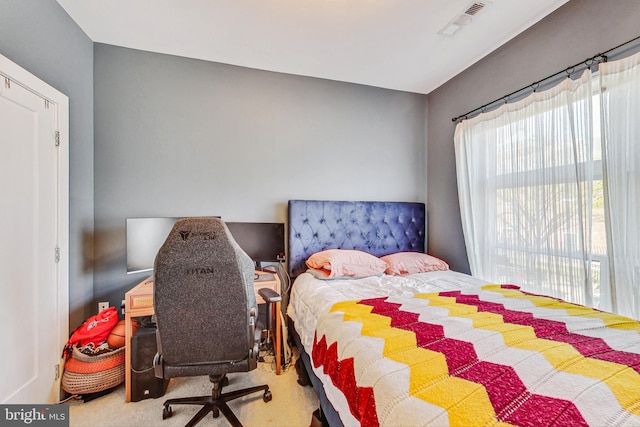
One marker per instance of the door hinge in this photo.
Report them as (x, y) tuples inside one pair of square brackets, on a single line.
[(57, 254), (7, 82), (57, 138), (46, 104), (57, 371)]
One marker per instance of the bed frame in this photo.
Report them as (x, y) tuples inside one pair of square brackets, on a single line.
[(379, 228)]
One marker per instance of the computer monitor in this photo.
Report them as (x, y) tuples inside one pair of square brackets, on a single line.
[(144, 238), (262, 241)]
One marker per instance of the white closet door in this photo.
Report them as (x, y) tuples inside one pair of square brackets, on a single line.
[(33, 261)]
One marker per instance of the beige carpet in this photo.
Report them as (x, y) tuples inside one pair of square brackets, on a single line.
[(292, 405)]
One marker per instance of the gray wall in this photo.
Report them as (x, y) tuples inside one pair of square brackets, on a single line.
[(39, 36), (183, 137), (576, 31)]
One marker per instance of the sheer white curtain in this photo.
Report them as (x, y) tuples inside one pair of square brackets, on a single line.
[(525, 181), (620, 87)]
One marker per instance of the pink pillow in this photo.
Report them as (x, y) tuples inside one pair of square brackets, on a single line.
[(403, 263), (346, 263)]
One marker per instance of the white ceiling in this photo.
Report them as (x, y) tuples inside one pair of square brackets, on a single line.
[(391, 44)]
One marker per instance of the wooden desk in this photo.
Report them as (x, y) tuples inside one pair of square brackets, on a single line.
[(139, 303)]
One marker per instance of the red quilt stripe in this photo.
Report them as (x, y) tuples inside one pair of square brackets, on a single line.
[(508, 395), (361, 400), (552, 330)]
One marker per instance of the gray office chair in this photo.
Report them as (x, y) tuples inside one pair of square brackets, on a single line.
[(206, 313)]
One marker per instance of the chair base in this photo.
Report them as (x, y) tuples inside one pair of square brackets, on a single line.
[(216, 402)]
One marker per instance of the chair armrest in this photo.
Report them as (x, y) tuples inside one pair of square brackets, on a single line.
[(269, 295)]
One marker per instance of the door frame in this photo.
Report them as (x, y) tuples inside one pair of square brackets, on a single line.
[(18, 75)]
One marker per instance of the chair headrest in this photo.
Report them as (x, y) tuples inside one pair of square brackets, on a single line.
[(195, 239)]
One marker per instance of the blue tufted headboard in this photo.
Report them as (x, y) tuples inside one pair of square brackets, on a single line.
[(379, 228)]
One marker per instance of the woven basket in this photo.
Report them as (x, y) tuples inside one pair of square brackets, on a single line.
[(85, 374)]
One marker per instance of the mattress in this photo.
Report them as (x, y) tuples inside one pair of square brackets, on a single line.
[(444, 348), (311, 297)]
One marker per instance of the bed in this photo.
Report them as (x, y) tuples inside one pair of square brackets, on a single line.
[(437, 347)]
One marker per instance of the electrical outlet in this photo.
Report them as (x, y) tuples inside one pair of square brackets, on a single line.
[(102, 305), (122, 306)]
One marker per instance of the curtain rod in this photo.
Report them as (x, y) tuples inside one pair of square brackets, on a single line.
[(587, 63)]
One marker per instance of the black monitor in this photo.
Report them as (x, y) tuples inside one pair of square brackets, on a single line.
[(262, 241)]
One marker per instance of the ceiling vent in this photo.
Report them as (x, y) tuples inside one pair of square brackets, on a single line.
[(474, 9), (463, 18)]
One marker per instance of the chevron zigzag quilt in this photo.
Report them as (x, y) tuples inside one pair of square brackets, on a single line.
[(486, 357)]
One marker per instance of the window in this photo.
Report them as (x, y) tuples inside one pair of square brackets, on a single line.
[(532, 192), (550, 191)]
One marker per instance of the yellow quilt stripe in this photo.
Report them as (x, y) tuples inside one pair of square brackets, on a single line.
[(620, 379), (608, 319), (430, 381), (427, 367)]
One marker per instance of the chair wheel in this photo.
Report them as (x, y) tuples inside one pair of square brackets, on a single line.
[(167, 412), (225, 382), (215, 412), (267, 396)]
